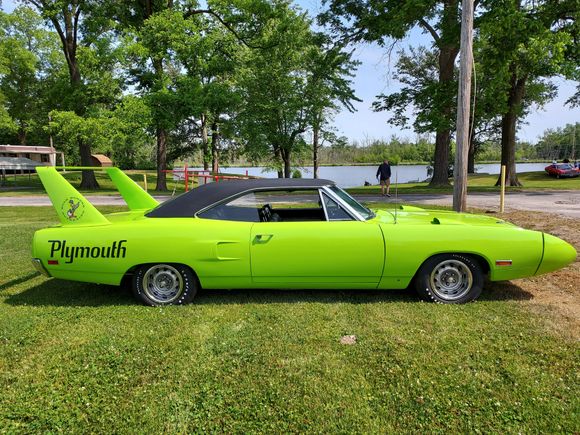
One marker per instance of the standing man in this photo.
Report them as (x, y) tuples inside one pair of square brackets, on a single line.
[(384, 176)]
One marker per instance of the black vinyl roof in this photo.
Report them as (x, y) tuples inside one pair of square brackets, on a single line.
[(189, 203)]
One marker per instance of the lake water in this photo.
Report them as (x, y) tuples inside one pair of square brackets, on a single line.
[(354, 176)]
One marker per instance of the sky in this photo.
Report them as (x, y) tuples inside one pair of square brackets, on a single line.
[(372, 78)]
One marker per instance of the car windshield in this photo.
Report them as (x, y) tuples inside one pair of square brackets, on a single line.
[(358, 207), (565, 166)]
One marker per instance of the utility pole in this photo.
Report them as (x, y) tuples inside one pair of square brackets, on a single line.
[(463, 108), (574, 143)]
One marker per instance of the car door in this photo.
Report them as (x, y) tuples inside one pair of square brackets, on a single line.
[(333, 254)]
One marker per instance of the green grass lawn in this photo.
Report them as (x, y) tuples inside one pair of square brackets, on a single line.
[(82, 358)]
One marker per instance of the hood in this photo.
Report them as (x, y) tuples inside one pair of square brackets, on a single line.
[(408, 215)]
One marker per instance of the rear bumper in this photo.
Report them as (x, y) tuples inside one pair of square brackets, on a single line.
[(37, 263)]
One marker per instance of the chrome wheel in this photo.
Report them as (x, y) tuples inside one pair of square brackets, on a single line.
[(163, 284), (451, 279)]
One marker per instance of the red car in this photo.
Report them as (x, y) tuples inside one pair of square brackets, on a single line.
[(562, 170)]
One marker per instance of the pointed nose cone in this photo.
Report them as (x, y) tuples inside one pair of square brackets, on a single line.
[(557, 254)]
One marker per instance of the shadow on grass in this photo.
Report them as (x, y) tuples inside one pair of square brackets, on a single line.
[(7, 285), (56, 292), (504, 291)]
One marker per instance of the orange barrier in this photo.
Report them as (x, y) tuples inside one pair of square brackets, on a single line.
[(205, 175)]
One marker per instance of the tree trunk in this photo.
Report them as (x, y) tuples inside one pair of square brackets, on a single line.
[(161, 159), (204, 142), (508, 129), (22, 135), (88, 179), (278, 158), (215, 147), (69, 40), (287, 167), (315, 145), (471, 159), (471, 154), (161, 134), (285, 154), (441, 159), (447, 56)]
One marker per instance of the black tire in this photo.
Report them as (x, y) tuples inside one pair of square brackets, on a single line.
[(164, 284), (449, 279)]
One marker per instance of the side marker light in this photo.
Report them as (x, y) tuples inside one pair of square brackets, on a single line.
[(503, 262)]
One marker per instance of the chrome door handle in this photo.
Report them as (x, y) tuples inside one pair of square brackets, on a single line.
[(263, 238)]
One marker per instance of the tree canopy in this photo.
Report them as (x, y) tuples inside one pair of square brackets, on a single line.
[(152, 82)]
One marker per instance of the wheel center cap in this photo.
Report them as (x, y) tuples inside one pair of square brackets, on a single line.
[(163, 282)]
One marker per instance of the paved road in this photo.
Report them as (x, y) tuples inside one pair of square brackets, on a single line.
[(565, 203)]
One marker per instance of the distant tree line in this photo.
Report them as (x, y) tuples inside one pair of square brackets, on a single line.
[(555, 144)]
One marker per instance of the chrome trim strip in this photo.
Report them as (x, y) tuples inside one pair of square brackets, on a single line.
[(37, 263), (321, 196), (501, 263), (348, 212), (356, 215)]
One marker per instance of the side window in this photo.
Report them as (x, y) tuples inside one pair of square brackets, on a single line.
[(290, 205), (242, 209), (334, 211), (279, 206)]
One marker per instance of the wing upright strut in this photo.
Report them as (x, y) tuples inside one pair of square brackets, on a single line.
[(135, 197), (71, 207)]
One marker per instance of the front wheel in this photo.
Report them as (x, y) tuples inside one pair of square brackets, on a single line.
[(164, 284), (449, 279)]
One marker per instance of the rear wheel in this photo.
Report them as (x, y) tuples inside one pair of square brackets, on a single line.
[(450, 279), (164, 284)]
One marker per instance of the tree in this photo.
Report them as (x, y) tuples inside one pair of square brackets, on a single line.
[(160, 34), (156, 39), (560, 143), (70, 129), (130, 143), (527, 42), (6, 122), (82, 29), (29, 71), (379, 22), (275, 82), (329, 72), (215, 64)]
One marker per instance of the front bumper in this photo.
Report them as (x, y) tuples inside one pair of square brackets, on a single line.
[(557, 254)]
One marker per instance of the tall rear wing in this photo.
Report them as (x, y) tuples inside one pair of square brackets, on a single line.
[(133, 194), (73, 208)]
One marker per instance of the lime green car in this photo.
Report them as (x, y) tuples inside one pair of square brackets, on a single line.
[(281, 233)]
